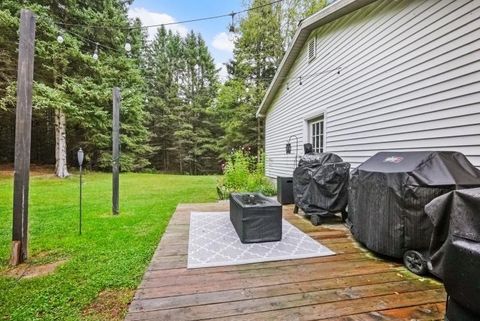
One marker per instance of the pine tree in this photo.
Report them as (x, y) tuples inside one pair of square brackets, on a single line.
[(195, 137), (162, 66), (258, 51), (182, 85), (72, 91), (262, 39)]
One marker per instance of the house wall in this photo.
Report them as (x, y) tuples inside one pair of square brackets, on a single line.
[(409, 80)]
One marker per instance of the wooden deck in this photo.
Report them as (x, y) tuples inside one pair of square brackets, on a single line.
[(352, 285)]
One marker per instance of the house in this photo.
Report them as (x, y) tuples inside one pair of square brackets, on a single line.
[(363, 76)]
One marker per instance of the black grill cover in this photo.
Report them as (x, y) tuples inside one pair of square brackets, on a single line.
[(320, 183), (388, 193), (455, 247)]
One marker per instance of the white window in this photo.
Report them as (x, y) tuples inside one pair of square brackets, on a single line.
[(312, 49), (316, 134)]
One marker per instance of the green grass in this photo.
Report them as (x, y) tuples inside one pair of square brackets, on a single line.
[(113, 251)]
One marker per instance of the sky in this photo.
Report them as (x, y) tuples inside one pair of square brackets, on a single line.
[(215, 32)]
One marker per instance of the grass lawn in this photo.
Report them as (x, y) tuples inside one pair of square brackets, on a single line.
[(104, 265)]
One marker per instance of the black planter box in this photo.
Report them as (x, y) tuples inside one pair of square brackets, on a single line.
[(285, 190), (255, 217)]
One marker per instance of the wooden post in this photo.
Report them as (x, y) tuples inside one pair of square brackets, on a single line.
[(23, 126), (116, 149)]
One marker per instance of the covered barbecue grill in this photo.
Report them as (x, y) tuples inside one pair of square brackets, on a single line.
[(320, 185), (387, 196), (455, 250)]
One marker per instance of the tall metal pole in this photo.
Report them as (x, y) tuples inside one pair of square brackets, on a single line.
[(80, 157), (116, 150), (26, 50), (80, 218)]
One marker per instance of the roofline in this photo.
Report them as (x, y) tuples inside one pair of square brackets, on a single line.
[(324, 16)]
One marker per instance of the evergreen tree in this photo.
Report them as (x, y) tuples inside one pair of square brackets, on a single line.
[(195, 137), (72, 91), (258, 51), (262, 39), (182, 84), (162, 67)]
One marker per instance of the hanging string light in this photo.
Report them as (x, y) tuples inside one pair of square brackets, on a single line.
[(120, 27), (128, 47), (95, 53), (231, 27)]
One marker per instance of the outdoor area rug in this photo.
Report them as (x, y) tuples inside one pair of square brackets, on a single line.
[(214, 242)]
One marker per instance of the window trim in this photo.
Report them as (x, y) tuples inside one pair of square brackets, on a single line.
[(316, 134), (309, 118)]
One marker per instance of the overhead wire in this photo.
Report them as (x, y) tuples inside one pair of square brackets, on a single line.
[(98, 44), (233, 13), (92, 41)]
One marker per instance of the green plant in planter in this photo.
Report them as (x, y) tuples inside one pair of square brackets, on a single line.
[(244, 173)]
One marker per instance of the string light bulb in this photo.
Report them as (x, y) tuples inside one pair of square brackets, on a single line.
[(300, 80), (95, 53), (60, 39), (128, 46)]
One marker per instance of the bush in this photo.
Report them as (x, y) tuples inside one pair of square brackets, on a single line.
[(244, 173)]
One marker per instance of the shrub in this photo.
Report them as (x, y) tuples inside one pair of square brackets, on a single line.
[(244, 173)]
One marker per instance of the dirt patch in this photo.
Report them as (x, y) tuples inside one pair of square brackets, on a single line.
[(27, 271), (6, 170), (110, 305)]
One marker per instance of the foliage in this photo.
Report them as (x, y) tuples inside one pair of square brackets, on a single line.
[(67, 78), (182, 84), (175, 114), (244, 173), (259, 47), (112, 252), (293, 12)]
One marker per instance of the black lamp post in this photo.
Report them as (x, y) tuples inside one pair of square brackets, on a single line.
[(80, 157), (288, 147)]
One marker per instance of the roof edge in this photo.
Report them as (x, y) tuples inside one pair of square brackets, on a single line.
[(329, 13)]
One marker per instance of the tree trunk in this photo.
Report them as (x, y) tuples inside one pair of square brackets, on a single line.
[(181, 162), (60, 145), (259, 137)]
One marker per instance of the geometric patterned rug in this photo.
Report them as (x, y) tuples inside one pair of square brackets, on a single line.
[(214, 242)]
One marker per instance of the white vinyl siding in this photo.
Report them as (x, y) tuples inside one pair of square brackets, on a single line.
[(409, 80)]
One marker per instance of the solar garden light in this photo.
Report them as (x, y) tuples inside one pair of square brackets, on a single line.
[(80, 157)]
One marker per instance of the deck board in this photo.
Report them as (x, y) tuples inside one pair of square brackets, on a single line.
[(352, 285)]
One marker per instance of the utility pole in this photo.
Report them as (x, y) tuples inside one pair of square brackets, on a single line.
[(23, 127), (116, 150)]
